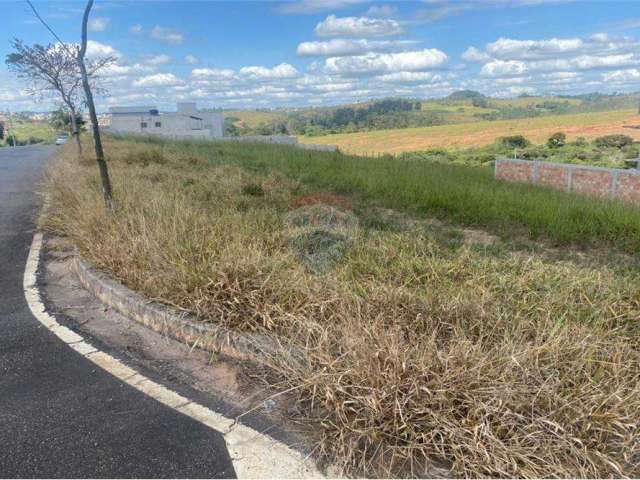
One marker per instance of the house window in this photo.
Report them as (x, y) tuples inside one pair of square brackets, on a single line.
[(143, 124), (158, 124)]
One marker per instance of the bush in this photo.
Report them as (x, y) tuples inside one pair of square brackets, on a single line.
[(556, 140), (253, 190), (617, 141), (514, 141)]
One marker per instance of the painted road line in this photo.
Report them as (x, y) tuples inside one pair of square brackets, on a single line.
[(254, 454)]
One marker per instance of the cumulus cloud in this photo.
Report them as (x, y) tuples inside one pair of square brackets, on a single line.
[(98, 24), (362, 27), (214, 73), (284, 70), (410, 77), (158, 80), (158, 59), (97, 49), (340, 47), (386, 62), (117, 70), (472, 54), (191, 60), (622, 76), (166, 35)]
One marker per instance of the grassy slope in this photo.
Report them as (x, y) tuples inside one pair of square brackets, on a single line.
[(498, 363), (588, 125), (468, 195)]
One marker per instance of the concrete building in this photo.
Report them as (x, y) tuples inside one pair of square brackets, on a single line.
[(186, 122)]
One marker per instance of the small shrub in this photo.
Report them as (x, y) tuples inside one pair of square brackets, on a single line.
[(253, 190), (617, 141), (580, 142), (557, 140), (319, 250), (514, 141)]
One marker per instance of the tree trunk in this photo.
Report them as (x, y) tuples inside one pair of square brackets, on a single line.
[(74, 131), (102, 164)]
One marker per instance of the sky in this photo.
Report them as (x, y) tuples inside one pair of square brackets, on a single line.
[(269, 54)]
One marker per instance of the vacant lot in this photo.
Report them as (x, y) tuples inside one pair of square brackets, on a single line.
[(587, 125), (423, 342)]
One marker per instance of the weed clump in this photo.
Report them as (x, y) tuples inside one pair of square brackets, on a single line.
[(253, 190), (320, 250)]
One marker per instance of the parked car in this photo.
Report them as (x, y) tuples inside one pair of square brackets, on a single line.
[(62, 139)]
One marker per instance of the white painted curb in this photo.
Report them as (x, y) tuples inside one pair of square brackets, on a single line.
[(254, 455)]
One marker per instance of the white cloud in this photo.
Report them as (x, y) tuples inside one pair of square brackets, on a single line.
[(284, 70), (98, 24), (506, 48), (213, 73), (410, 77), (158, 59), (158, 80), (166, 35), (622, 76), (315, 6), (472, 54), (502, 68), (191, 60), (386, 62), (97, 49), (117, 70), (333, 26), (136, 29), (340, 47)]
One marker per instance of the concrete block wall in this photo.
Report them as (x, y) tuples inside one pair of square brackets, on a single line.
[(593, 181)]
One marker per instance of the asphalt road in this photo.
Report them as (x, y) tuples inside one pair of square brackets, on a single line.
[(60, 415)]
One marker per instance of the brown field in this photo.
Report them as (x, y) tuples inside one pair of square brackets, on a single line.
[(587, 125)]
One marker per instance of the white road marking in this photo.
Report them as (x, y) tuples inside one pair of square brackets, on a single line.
[(254, 455)]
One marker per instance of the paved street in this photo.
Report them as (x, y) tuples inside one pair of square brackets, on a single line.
[(60, 415)]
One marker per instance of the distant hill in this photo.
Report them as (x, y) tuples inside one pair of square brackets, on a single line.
[(460, 107), (465, 95)]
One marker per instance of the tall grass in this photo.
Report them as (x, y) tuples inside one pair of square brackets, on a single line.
[(461, 194), (419, 352)]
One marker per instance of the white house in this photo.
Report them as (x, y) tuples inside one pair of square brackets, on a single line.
[(186, 122)]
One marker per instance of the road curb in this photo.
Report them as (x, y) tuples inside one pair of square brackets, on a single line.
[(254, 454), (180, 326)]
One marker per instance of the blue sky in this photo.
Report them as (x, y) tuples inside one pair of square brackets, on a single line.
[(322, 52)]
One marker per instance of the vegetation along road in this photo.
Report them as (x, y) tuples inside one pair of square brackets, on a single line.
[(60, 415)]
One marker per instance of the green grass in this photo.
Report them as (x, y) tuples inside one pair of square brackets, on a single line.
[(32, 132), (456, 193)]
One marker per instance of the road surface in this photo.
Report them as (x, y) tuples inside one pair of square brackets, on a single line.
[(60, 415)]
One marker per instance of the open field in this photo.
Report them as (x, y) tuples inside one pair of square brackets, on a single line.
[(32, 132), (587, 125), (423, 342)]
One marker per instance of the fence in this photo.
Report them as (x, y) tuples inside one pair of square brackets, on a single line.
[(586, 180)]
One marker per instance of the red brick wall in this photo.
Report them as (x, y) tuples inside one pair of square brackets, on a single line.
[(515, 172), (628, 187), (596, 183), (554, 176), (593, 181)]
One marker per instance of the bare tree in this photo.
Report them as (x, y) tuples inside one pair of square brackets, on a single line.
[(84, 73), (53, 68), (102, 164)]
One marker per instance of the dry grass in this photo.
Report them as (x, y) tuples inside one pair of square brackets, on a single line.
[(420, 347), (474, 134)]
